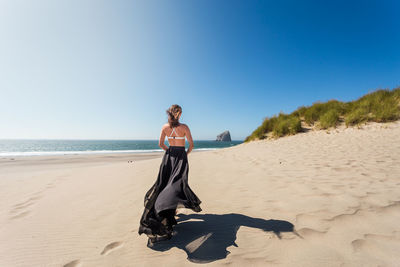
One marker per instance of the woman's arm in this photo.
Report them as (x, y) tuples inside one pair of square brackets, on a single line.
[(162, 139), (190, 139)]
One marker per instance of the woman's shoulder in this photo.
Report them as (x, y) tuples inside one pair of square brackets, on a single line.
[(165, 126), (184, 125)]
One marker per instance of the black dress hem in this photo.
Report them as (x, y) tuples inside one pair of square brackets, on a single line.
[(170, 191)]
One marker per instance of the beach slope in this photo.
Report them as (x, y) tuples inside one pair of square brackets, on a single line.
[(322, 198)]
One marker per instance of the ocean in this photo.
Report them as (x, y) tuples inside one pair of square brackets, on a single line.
[(69, 147)]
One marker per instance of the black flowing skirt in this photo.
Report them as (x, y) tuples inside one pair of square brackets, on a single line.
[(170, 191)]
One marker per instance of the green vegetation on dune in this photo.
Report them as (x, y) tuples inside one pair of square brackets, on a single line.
[(378, 106), (286, 124), (329, 119)]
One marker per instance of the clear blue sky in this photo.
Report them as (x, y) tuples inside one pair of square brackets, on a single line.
[(109, 69)]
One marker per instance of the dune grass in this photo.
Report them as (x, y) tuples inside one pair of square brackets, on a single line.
[(286, 124), (329, 119), (379, 106)]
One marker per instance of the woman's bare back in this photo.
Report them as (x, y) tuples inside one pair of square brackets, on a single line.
[(182, 130)]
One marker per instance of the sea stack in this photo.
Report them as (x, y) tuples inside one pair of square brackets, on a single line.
[(225, 136)]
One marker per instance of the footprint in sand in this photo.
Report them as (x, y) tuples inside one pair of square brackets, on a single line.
[(358, 244), (20, 215), (27, 202), (50, 185), (20, 210), (75, 263), (376, 242), (110, 247), (20, 206)]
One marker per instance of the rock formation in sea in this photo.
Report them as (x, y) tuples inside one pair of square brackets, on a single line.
[(225, 136)]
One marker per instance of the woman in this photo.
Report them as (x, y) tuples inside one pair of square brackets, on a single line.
[(171, 189)]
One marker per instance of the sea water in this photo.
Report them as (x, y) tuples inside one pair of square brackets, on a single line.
[(65, 147)]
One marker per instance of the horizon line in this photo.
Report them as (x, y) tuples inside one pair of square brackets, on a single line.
[(95, 139)]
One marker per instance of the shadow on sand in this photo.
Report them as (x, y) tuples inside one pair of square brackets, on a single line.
[(205, 237)]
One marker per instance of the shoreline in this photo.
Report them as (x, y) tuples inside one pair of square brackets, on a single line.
[(93, 152), (37, 162)]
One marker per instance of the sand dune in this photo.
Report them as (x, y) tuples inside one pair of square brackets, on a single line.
[(314, 199)]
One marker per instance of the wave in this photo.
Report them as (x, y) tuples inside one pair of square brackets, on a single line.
[(60, 153)]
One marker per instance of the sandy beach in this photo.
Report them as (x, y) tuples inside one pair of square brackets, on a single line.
[(321, 198)]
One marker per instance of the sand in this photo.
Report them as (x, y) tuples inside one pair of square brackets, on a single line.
[(314, 199)]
